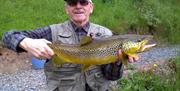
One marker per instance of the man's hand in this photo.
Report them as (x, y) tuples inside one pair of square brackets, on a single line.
[(37, 47), (131, 59)]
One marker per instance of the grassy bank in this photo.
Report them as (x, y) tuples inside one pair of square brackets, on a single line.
[(157, 17), (25, 15), (160, 78)]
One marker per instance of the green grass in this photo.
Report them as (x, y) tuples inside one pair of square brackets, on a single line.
[(149, 81), (25, 15), (142, 16)]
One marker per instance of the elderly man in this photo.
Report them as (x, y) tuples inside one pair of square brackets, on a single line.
[(68, 77)]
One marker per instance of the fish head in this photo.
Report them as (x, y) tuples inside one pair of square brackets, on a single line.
[(131, 48)]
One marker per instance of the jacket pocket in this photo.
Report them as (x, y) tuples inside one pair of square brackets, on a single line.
[(99, 77)]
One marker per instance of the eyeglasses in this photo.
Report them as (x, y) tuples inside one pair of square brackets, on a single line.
[(74, 2)]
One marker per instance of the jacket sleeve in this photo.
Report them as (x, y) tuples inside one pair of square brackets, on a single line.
[(12, 38)]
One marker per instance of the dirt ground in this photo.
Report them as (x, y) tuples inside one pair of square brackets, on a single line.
[(11, 61)]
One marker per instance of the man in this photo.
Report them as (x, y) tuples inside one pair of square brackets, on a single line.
[(68, 77)]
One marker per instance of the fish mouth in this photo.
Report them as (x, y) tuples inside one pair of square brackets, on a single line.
[(146, 45)]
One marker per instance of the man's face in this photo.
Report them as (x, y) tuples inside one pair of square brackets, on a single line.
[(79, 10)]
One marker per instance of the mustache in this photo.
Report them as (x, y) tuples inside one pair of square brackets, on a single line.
[(79, 10)]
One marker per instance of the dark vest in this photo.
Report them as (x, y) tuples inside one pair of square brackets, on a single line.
[(68, 77)]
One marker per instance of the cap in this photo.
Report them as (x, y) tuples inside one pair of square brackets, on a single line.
[(86, 0)]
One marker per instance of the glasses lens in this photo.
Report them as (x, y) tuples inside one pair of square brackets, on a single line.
[(74, 2), (84, 2)]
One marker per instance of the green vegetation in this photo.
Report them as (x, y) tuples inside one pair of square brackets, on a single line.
[(154, 80), (25, 15), (157, 17)]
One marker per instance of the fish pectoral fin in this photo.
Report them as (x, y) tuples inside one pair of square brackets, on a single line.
[(125, 62), (85, 67), (57, 61), (123, 57), (85, 40)]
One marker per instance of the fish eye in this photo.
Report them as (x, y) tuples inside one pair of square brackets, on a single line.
[(139, 40)]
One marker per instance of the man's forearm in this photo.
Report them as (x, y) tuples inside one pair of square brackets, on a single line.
[(13, 38)]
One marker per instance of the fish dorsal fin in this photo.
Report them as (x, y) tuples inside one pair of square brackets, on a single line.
[(85, 40)]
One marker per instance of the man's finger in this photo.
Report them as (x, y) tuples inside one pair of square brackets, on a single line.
[(136, 58), (131, 59), (120, 54), (49, 51), (46, 41)]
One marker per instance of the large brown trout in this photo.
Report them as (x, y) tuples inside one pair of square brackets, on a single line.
[(99, 52)]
